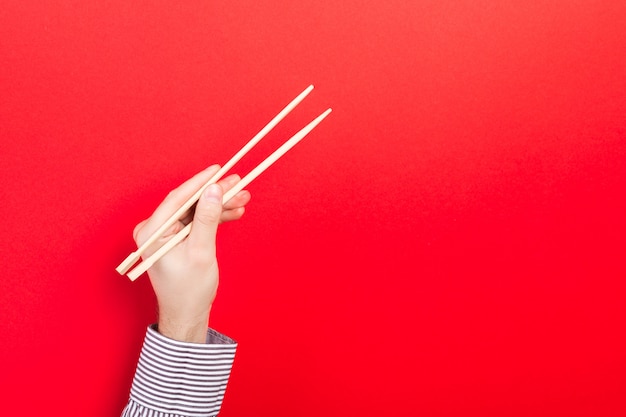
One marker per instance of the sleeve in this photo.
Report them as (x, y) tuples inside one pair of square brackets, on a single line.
[(176, 379)]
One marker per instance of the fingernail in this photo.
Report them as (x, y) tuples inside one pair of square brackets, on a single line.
[(213, 193)]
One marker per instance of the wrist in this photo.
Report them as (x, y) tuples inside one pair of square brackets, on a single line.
[(184, 329)]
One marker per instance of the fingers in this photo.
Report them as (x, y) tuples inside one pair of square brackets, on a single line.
[(206, 219), (235, 207), (232, 209), (210, 212), (174, 200), (239, 200), (231, 215)]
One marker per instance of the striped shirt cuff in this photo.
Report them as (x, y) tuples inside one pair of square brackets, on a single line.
[(181, 379)]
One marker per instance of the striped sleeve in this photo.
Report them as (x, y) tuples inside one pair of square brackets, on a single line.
[(176, 379)]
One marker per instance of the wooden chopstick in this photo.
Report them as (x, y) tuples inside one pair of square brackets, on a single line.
[(285, 147), (134, 257)]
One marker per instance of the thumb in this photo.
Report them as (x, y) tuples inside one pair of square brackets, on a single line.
[(207, 218)]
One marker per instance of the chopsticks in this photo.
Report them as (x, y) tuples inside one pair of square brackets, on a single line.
[(132, 259)]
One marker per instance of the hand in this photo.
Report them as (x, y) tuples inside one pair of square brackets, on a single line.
[(185, 280)]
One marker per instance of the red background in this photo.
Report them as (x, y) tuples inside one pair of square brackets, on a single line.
[(450, 241)]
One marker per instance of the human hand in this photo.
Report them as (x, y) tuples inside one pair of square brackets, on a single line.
[(185, 280)]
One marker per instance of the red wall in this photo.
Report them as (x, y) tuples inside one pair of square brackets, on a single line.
[(451, 241)]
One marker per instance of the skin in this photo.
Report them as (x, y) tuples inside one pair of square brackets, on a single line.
[(185, 280)]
